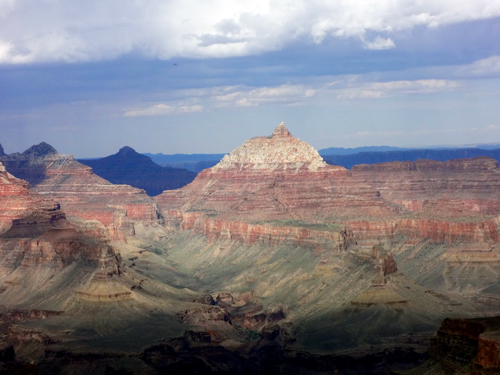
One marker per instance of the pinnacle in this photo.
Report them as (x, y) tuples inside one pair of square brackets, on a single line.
[(282, 131), (40, 150), (126, 149)]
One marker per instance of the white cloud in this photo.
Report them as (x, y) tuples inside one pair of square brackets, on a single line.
[(343, 88), (484, 67), (163, 110), (372, 90), (71, 30), (246, 97), (380, 43)]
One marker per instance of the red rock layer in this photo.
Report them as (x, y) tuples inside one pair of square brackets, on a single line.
[(249, 193), (247, 233), (454, 188), (469, 343), (81, 192), (480, 231), (281, 178), (38, 232), (14, 199)]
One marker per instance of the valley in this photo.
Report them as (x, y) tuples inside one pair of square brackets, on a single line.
[(272, 261)]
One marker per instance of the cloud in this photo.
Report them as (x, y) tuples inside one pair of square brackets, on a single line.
[(182, 101), (246, 97), (380, 43), (34, 31), (481, 68), (343, 88), (371, 90), (163, 110)]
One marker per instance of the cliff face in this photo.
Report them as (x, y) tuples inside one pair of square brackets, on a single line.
[(454, 188), (14, 198), (275, 178), (280, 178), (35, 230), (373, 157), (79, 191), (131, 168), (465, 346)]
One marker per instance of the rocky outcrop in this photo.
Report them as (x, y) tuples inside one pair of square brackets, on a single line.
[(280, 178), (15, 200), (465, 346), (454, 188), (15, 316), (199, 315), (273, 178), (269, 234), (387, 156), (134, 169), (38, 232), (269, 152), (79, 191), (45, 239)]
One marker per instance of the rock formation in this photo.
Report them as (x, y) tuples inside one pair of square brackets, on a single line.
[(387, 156), (131, 168), (79, 191), (454, 188), (276, 178), (267, 255), (15, 200), (38, 232), (464, 346)]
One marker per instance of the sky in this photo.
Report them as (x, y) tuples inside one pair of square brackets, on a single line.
[(202, 76)]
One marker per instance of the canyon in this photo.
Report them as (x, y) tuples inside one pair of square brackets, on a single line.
[(269, 261)]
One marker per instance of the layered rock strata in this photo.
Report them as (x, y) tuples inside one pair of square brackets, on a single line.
[(465, 346), (279, 179), (454, 188), (79, 191), (38, 232), (15, 200), (275, 178)]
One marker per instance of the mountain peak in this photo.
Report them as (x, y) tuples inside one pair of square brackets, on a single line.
[(272, 152), (40, 150), (281, 131), (126, 150), (2, 153)]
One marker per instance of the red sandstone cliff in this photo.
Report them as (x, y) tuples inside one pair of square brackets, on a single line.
[(35, 231), (79, 191), (14, 198), (465, 346), (454, 188), (275, 178)]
